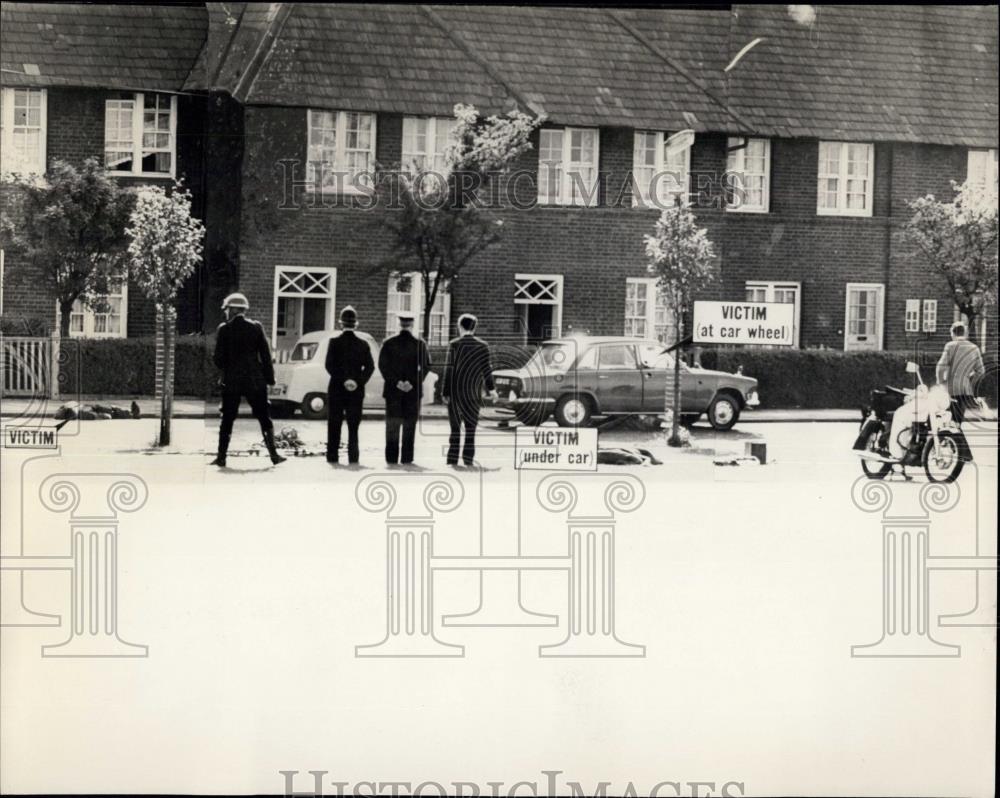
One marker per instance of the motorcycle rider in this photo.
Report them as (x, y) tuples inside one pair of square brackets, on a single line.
[(960, 367)]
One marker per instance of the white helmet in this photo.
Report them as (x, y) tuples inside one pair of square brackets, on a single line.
[(236, 300)]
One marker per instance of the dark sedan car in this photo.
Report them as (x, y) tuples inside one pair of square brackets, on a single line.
[(578, 378)]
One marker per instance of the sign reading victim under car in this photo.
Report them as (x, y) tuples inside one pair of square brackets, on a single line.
[(549, 449), (744, 323)]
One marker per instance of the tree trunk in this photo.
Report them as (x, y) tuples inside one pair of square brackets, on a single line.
[(65, 309), (675, 390), (168, 318), (675, 437)]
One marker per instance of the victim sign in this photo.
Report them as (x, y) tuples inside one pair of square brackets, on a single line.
[(744, 323)]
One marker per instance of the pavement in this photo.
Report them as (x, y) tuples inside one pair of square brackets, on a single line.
[(252, 586), (195, 408)]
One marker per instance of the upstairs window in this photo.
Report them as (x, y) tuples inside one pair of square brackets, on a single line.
[(341, 151), (140, 134), (748, 168), (567, 166), (22, 130), (845, 179), (426, 140), (660, 179), (982, 170)]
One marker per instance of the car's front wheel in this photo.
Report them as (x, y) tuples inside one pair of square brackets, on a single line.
[(314, 406), (724, 412), (574, 411)]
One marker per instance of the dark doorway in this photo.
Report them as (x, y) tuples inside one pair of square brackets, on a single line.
[(538, 322), (313, 314)]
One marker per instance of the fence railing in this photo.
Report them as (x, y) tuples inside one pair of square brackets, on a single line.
[(26, 366)]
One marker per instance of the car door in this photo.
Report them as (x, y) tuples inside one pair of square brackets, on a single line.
[(619, 379), (658, 376)]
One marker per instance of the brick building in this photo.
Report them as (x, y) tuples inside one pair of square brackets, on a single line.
[(835, 120)]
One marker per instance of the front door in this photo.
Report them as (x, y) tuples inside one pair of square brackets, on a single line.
[(619, 379), (863, 317)]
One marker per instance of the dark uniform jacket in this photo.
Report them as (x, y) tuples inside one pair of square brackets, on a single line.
[(467, 371), (243, 354), (403, 357), (349, 358)]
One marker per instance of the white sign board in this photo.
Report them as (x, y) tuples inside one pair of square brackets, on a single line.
[(554, 449), (15, 437), (744, 323)]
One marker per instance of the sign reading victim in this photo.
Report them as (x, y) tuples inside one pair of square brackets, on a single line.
[(744, 323), (547, 449)]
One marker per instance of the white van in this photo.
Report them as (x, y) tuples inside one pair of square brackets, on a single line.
[(301, 382)]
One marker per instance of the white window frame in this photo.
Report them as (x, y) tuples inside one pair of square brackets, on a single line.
[(648, 318), (80, 308), (770, 287), (981, 170), (566, 193), (911, 318), (343, 182), (7, 98), (138, 101), (521, 296), (842, 177), (880, 327), (736, 149), (330, 295), (431, 156), (662, 171), (928, 316), (441, 308)]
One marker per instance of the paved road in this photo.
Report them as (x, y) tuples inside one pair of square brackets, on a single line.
[(252, 586)]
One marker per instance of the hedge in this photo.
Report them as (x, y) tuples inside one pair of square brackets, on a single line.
[(127, 367), (826, 378), (787, 378)]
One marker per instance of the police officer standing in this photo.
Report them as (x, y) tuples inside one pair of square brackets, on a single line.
[(349, 364), (467, 373), (244, 357), (403, 363)]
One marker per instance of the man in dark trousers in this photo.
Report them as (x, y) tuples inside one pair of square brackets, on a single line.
[(403, 363), (960, 368), (349, 364), (244, 357), (467, 372)]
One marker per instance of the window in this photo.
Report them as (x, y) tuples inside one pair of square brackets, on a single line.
[(845, 179), (426, 140), (748, 167), (617, 357), (341, 146), (912, 319), (778, 292), (140, 134), (110, 322), (983, 170), (659, 179), (567, 166), (410, 299), (930, 316), (22, 130), (647, 314)]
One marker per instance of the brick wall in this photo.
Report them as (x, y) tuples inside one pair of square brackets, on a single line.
[(595, 249), (75, 131)]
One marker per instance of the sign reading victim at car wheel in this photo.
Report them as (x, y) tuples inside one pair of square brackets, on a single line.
[(770, 323), (552, 449)]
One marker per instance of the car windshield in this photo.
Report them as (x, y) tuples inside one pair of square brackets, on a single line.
[(552, 358), (304, 351)]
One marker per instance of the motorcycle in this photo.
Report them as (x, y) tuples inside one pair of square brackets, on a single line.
[(903, 427)]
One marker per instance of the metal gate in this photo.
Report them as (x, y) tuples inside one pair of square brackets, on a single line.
[(26, 364)]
